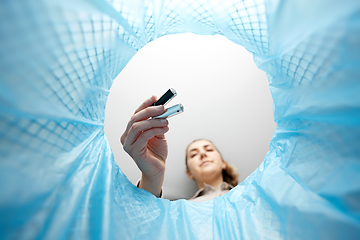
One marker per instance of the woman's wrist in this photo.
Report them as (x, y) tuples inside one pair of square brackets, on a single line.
[(152, 184)]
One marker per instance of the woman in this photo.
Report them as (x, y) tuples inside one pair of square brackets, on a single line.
[(212, 174), (144, 140)]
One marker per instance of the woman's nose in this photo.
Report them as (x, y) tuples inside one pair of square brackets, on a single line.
[(202, 155)]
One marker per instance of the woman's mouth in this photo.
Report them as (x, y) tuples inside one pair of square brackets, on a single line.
[(205, 162)]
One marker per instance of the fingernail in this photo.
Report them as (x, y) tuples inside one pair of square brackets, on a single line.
[(163, 120), (159, 107)]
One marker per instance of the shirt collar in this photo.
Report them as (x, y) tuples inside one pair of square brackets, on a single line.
[(208, 188)]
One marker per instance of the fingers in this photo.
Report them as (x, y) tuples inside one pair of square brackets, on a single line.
[(160, 136), (141, 142), (138, 127), (143, 139), (144, 114), (146, 103), (147, 113)]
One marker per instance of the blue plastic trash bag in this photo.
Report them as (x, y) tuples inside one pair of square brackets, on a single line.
[(58, 178)]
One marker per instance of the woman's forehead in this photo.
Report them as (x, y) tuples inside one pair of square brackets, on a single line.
[(199, 144)]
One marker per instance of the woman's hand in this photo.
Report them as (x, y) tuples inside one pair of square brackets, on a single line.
[(144, 140)]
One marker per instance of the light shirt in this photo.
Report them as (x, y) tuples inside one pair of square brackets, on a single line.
[(209, 192), (206, 193)]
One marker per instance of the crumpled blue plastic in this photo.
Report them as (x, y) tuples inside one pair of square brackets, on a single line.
[(58, 178)]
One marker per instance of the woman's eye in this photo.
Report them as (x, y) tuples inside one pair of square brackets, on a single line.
[(209, 150), (193, 155)]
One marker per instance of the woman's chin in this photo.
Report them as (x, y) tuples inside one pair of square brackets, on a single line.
[(209, 169)]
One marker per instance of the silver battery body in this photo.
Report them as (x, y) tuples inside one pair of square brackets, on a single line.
[(172, 111)]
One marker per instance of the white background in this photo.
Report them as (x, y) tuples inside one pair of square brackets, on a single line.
[(226, 99)]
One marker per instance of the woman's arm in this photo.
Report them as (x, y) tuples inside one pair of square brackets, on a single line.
[(144, 140)]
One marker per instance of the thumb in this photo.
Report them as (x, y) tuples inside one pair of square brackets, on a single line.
[(160, 136)]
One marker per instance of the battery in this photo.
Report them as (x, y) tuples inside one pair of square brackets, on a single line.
[(172, 111)]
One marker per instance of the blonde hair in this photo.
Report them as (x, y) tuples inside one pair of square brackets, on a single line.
[(229, 173)]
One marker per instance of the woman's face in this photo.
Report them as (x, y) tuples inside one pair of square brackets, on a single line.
[(203, 161)]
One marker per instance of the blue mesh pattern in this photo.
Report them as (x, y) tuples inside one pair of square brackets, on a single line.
[(58, 178)]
